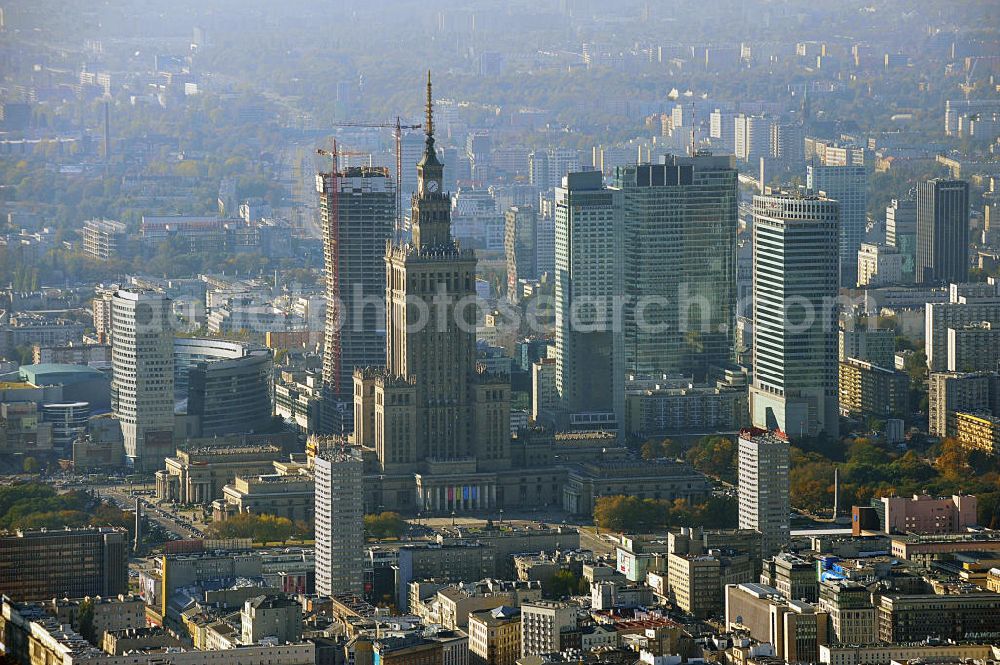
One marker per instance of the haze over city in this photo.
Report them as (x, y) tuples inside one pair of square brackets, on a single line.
[(499, 333)]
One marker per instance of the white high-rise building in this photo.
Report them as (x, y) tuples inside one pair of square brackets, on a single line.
[(849, 186), (762, 467), (339, 516), (752, 137), (589, 217), (142, 388), (795, 275)]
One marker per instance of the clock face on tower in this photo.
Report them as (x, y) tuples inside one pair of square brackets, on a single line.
[(432, 186)]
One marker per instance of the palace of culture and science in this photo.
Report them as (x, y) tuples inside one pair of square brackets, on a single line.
[(433, 423)]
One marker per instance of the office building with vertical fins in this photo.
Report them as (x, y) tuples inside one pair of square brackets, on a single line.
[(339, 516), (795, 286), (142, 390), (680, 224), (590, 370), (357, 208)]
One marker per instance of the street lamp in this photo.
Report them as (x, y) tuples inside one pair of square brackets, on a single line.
[(453, 518), (501, 516)]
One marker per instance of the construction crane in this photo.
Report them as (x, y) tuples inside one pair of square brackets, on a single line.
[(397, 135)]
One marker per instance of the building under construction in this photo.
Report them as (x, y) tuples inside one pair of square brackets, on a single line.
[(357, 211)]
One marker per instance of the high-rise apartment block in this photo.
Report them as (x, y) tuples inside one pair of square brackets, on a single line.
[(762, 468), (104, 238), (680, 220), (752, 137), (546, 168), (942, 231), (339, 516), (968, 304), (64, 563), (142, 390), (795, 315), (879, 265), (952, 392), (848, 185), (357, 208), (588, 281), (875, 345)]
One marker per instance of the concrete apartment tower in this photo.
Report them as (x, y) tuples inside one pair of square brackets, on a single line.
[(142, 389), (795, 280), (762, 467), (339, 517)]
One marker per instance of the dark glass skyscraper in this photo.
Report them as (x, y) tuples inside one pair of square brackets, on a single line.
[(942, 231), (680, 248)]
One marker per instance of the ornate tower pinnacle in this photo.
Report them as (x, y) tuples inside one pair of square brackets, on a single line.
[(430, 108)]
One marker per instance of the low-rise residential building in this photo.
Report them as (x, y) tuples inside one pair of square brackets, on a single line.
[(978, 431), (868, 390), (495, 636), (32, 637), (107, 614), (872, 653), (547, 627), (275, 617), (852, 615)]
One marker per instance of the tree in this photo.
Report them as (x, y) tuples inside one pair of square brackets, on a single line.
[(953, 461), (385, 525), (654, 449), (714, 456), (85, 620), (260, 528), (563, 583), (31, 465)]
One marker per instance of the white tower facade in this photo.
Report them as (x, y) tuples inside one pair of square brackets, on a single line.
[(763, 463), (339, 515), (795, 280), (142, 389)]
